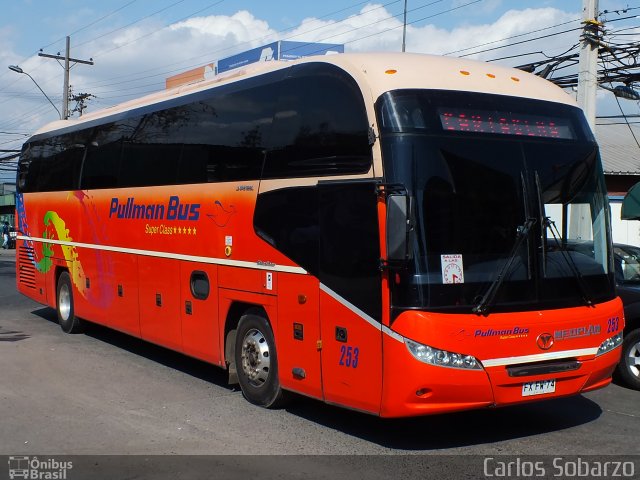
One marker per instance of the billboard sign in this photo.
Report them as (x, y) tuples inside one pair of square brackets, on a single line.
[(282, 50)]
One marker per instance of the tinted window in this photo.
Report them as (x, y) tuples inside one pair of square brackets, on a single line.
[(330, 230), (288, 220), (350, 243), (100, 169), (52, 164), (144, 164), (219, 135), (224, 136), (218, 138), (320, 125)]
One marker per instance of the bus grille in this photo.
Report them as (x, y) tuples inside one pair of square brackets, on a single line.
[(27, 270)]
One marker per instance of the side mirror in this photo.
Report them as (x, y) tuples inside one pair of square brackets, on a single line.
[(398, 227)]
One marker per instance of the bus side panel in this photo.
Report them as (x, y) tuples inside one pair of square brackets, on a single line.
[(123, 313), (299, 334), (160, 301), (351, 357), (199, 311)]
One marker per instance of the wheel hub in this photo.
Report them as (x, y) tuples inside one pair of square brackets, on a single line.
[(64, 302), (634, 359), (255, 356)]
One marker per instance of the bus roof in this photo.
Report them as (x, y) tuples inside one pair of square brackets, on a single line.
[(375, 72)]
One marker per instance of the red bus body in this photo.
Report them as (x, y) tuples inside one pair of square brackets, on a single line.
[(135, 254)]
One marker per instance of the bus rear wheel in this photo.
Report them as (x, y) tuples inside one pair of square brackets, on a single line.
[(64, 305), (257, 362)]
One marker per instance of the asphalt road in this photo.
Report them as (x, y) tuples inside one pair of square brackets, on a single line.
[(104, 393)]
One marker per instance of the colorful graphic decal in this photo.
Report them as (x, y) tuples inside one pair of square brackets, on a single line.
[(23, 226), (41, 254), (53, 221)]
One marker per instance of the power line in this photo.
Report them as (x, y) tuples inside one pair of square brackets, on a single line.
[(521, 42), (130, 24), (211, 5), (113, 12), (415, 21), (511, 37)]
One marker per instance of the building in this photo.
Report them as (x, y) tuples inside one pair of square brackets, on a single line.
[(280, 50), (621, 159), (7, 203)]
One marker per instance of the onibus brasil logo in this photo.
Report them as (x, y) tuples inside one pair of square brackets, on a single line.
[(36, 469)]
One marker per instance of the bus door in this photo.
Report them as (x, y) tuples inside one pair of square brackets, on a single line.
[(350, 294)]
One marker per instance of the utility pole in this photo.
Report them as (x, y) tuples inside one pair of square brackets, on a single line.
[(588, 62), (404, 27), (579, 220), (67, 60)]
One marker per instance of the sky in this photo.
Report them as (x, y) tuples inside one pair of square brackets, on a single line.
[(136, 44)]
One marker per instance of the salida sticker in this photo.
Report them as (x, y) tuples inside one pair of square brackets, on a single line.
[(452, 269)]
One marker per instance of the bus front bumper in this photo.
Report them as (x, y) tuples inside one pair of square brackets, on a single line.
[(413, 388)]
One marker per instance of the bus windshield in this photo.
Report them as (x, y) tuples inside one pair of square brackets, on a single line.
[(501, 190)]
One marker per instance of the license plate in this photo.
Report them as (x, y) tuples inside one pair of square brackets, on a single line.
[(538, 388)]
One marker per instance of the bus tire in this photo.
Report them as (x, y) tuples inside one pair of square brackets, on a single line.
[(629, 367), (257, 362), (65, 307)]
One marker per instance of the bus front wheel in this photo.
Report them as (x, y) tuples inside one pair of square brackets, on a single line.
[(257, 362), (629, 366), (64, 305)]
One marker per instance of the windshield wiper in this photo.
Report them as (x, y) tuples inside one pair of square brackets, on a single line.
[(523, 232), (582, 285), (543, 225), (547, 223)]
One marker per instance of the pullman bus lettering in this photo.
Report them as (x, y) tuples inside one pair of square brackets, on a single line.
[(174, 210)]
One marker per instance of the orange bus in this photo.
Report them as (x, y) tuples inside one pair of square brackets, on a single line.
[(392, 233)]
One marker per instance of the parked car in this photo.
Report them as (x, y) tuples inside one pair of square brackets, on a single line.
[(626, 259), (627, 264)]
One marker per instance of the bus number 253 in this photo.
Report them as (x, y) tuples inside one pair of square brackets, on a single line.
[(349, 356)]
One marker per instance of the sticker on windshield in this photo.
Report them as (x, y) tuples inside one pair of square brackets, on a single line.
[(452, 269)]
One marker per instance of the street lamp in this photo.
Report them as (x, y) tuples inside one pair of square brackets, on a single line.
[(17, 69)]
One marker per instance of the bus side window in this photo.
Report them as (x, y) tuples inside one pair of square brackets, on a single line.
[(59, 160), (194, 165), (288, 220), (224, 134), (28, 169), (100, 169), (320, 126)]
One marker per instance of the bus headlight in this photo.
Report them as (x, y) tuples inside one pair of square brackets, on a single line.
[(609, 344), (441, 358)]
